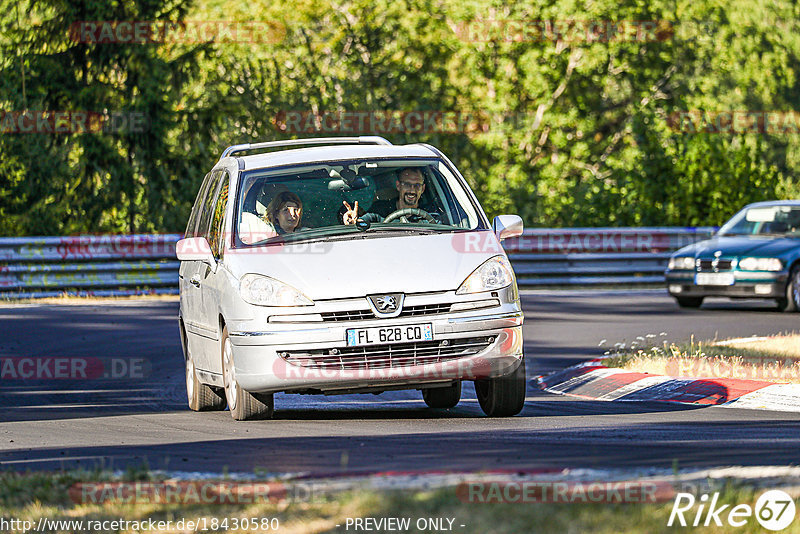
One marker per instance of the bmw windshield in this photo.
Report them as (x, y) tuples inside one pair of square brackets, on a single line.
[(777, 220), (339, 198)]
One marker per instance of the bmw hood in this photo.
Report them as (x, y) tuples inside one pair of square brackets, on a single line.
[(368, 264), (739, 246)]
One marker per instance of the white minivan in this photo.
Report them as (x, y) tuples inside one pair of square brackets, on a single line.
[(346, 265)]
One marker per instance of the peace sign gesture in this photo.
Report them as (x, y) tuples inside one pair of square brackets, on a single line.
[(350, 216)]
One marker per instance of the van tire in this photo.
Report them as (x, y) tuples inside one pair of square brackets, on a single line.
[(201, 397), (503, 396), (244, 406), (443, 398)]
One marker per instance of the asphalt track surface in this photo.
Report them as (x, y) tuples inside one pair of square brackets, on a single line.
[(114, 423)]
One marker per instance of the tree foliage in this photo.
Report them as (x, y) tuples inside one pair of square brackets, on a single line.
[(578, 129)]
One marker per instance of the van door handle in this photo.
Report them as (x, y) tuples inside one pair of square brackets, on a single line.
[(194, 281)]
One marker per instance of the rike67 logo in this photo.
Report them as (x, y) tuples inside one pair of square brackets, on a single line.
[(774, 510)]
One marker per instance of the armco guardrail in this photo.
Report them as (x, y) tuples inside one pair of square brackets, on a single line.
[(101, 265), (597, 256), (32, 267)]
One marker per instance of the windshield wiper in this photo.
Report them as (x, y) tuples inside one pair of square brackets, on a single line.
[(339, 233), (408, 229), (306, 236)]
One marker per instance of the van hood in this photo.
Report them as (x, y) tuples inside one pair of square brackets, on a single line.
[(369, 263)]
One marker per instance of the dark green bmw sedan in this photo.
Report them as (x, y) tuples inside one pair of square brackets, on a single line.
[(756, 254)]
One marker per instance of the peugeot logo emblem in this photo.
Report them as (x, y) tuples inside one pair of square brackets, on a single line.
[(386, 303)]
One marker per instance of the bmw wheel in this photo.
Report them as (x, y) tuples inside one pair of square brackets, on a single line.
[(244, 406), (791, 303), (689, 302)]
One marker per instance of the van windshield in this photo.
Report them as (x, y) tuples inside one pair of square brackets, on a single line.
[(336, 198)]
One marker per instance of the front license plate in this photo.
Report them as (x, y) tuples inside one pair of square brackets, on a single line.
[(714, 279), (382, 335)]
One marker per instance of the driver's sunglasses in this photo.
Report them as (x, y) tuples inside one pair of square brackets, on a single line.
[(411, 185)]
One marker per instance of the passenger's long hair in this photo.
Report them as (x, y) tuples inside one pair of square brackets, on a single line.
[(277, 203)]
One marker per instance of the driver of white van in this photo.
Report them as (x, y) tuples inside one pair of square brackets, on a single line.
[(410, 185)]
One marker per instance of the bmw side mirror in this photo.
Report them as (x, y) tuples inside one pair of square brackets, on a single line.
[(195, 249), (505, 226)]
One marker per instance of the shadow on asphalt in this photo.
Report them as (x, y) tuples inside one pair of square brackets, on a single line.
[(45, 402), (53, 402), (663, 444), (738, 307)]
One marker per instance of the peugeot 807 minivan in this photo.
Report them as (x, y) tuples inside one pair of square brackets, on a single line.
[(346, 265)]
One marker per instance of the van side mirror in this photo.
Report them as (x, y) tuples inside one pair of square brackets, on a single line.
[(195, 249), (505, 226)]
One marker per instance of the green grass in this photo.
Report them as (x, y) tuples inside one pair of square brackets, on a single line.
[(30, 496), (776, 359)]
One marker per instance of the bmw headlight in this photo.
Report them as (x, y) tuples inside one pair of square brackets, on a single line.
[(495, 273), (265, 291), (681, 263), (760, 264)]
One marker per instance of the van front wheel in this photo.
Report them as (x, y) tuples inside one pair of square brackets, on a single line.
[(442, 397), (244, 406), (201, 397), (503, 396)]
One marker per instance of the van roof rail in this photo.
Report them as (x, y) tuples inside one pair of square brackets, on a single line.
[(361, 140)]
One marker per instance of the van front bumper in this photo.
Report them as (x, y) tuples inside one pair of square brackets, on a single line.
[(317, 359)]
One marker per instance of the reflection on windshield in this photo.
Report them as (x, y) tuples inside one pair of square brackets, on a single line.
[(337, 198), (765, 220)]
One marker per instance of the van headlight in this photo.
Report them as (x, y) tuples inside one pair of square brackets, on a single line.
[(760, 264), (265, 291), (683, 263), (495, 273)]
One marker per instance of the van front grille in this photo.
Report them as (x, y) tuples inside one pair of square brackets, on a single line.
[(348, 315), (388, 356), (366, 315)]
